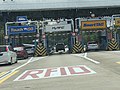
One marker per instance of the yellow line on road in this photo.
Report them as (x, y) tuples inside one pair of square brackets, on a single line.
[(8, 76), (2, 73), (118, 62)]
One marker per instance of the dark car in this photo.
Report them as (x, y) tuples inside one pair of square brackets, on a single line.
[(21, 52), (59, 47)]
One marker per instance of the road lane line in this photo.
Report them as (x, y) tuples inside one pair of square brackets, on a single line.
[(118, 62), (29, 61), (23, 64), (89, 59), (2, 73), (10, 73), (8, 76), (84, 55)]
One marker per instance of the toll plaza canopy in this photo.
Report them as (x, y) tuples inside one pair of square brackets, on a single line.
[(54, 4)]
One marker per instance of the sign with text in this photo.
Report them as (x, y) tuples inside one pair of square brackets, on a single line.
[(58, 27), (55, 72), (21, 18), (94, 24), (21, 29), (117, 22)]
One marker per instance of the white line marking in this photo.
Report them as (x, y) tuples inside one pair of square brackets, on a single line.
[(84, 55), (89, 59), (23, 64), (29, 61)]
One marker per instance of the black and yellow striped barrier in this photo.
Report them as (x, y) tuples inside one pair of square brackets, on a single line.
[(40, 51), (77, 48), (113, 45)]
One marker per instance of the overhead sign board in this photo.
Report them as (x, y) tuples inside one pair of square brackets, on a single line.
[(58, 27), (21, 29), (93, 24), (21, 18), (117, 22)]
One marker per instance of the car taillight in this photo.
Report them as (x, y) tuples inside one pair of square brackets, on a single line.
[(7, 49)]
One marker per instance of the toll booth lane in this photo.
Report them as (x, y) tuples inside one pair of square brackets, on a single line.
[(62, 72)]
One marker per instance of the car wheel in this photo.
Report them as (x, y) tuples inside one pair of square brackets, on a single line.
[(16, 61)]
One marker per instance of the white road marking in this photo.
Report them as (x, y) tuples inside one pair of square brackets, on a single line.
[(84, 55), (118, 62), (55, 72), (79, 55), (29, 61), (115, 51)]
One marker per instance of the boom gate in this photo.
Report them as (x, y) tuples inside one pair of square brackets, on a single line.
[(92, 29), (20, 32), (58, 32), (114, 43)]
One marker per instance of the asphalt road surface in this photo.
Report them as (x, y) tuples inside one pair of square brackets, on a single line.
[(87, 71)]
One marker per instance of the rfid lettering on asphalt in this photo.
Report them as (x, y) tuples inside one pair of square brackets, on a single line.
[(55, 72)]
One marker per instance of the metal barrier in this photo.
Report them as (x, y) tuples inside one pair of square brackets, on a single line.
[(40, 51), (77, 48)]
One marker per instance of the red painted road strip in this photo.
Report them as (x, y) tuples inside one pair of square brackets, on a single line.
[(55, 72)]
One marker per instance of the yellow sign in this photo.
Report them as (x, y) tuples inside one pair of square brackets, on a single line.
[(96, 24), (117, 22)]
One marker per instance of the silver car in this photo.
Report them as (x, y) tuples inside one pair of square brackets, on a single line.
[(92, 45), (7, 55), (30, 48)]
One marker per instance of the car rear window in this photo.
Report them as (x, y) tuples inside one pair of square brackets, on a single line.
[(92, 42), (2, 49), (60, 45)]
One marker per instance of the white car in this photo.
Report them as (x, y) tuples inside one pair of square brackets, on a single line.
[(92, 45), (7, 55)]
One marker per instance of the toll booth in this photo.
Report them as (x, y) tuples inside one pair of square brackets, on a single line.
[(58, 31), (21, 31), (114, 43), (93, 29)]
